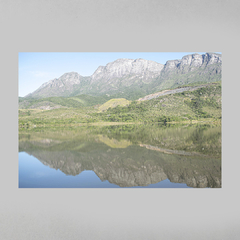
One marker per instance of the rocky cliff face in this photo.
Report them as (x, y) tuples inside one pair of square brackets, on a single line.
[(128, 76), (116, 76), (125, 67), (193, 61), (191, 69)]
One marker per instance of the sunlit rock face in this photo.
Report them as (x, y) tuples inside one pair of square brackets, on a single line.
[(67, 79), (125, 73), (170, 65), (193, 61), (123, 67), (191, 69), (211, 58)]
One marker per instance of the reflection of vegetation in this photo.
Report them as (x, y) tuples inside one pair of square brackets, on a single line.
[(109, 153), (204, 139), (113, 143)]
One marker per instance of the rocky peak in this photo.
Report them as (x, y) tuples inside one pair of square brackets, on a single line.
[(66, 78), (193, 60), (211, 58), (72, 77), (70, 74), (122, 67), (199, 60), (171, 64), (58, 85)]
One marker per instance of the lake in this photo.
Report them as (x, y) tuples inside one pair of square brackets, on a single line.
[(126, 156)]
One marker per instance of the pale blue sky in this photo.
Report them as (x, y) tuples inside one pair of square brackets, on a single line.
[(38, 68)]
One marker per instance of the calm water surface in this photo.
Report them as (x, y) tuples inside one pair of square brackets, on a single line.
[(129, 156)]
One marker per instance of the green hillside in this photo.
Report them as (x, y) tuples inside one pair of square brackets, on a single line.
[(190, 105), (203, 104), (114, 103)]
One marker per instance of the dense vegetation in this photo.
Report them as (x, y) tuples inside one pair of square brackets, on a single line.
[(201, 104), (191, 105)]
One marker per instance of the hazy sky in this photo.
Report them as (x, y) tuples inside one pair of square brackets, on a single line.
[(38, 68)]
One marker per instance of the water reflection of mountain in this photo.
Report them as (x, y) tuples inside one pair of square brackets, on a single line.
[(121, 163)]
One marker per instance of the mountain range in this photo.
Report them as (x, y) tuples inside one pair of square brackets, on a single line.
[(132, 79)]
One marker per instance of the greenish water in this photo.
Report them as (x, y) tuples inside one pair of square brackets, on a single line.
[(121, 156)]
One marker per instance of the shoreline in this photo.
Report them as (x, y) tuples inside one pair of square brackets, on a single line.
[(209, 121)]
